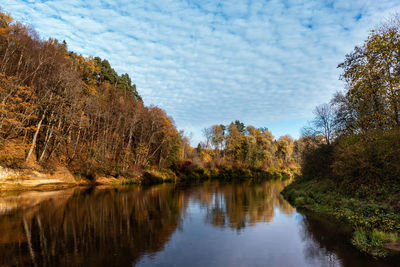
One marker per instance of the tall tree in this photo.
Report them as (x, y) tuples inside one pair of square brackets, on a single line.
[(372, 73)]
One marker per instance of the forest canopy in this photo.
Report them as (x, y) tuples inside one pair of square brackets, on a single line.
[(58, 107)]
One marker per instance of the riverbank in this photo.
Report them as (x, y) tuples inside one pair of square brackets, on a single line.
[(36, 178), (60, 178), (375, 220), (192, 174)]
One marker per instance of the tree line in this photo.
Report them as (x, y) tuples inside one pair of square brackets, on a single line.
[(360, 126), (58, 107), (246, 146)]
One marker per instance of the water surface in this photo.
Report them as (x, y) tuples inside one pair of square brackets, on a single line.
[(211, 224)]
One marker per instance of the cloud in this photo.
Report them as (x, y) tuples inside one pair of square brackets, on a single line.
[(205, 62)]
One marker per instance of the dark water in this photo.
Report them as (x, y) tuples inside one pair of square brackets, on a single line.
[(204, 225)]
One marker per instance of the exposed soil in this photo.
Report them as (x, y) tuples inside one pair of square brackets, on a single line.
[(35, 179), (393, 246)]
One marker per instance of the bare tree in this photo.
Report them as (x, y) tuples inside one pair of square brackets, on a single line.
[(207, 133), (323, 123)]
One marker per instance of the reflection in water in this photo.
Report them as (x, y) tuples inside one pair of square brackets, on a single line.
[(333, 244), (209, 224), (241, 205), (92, 227)]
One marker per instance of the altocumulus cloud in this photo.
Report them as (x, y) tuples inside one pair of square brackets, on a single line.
[(267, 63)]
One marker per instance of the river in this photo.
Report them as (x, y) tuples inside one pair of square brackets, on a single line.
[(209, 224)]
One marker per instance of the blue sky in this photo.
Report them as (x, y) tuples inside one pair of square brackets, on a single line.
[(266, 63)]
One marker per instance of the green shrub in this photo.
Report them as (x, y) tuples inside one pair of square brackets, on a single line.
[(372, 242), (360, 238), (299, 201)]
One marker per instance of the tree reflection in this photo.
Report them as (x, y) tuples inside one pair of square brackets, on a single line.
[(118, 227), (92, 227), (240, 205)]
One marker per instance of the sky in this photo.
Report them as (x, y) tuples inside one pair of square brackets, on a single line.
[(267, 63)]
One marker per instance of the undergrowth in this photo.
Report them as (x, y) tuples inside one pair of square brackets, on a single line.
[(375, 221)]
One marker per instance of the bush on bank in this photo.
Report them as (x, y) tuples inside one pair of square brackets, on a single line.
[(375, 223)]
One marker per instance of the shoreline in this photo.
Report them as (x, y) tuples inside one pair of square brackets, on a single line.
[(62, 178), (375, 224)]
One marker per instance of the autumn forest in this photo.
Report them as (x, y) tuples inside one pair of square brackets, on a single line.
[(61, 110)]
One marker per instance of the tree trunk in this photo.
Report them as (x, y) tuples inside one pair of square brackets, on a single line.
[(35, 137), (46, 144)]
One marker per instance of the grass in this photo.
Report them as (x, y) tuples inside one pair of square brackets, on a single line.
[(157, 176), (373, 242), (375, 223)]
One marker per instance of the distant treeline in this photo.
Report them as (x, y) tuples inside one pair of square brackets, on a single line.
[(244, 146), (58, 107)]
